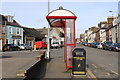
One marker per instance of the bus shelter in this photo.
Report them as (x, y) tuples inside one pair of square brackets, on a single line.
[(65, 19)]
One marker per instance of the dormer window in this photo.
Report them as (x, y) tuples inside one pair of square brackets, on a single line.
[(10, 18)]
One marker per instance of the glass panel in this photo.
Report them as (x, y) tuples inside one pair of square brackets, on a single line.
[(69, 55), (70, 31)]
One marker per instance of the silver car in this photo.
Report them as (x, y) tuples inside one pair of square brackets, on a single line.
[(25, 46)]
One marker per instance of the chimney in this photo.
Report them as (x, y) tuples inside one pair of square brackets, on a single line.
[(110, 20)]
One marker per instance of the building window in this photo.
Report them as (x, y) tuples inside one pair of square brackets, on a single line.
[(10, 30), (10, 18), (18, 30), (3, 29)]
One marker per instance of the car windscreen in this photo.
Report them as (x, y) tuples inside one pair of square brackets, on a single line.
[(55, 43), (116, 44)]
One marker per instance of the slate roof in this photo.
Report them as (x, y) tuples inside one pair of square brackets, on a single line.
[(44, 31), (31, 32), (4, 18)]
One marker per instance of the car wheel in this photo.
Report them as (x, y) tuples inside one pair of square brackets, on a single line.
[(18, 49), (110, 49), (10, 49)]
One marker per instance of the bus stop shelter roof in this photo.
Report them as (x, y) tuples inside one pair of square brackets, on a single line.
[(56, 18)]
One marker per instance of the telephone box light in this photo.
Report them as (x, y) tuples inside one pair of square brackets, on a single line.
[(65, 19)]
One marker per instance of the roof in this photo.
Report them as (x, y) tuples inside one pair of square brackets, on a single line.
[(61, 34), (56, 17), (31, 32), (4, 18), (43, 31), (61, 12)]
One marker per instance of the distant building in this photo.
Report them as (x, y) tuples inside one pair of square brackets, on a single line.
[(91, 35), (103, 34), (3, 22), (81, 37), (56, 34), (97, 36), (118, 27), (12, 31), (31, 35)]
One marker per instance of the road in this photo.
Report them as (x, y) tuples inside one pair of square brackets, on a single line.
[(103, 63)]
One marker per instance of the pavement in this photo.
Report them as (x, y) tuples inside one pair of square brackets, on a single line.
[(17, 60), (56, 66)]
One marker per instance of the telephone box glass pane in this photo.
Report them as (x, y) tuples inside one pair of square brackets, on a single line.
[(70, 31), (69, 55)]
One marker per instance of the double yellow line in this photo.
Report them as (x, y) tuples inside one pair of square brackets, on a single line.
[(90, 74)]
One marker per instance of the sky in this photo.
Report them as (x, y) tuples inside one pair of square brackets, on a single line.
[(33, 14)]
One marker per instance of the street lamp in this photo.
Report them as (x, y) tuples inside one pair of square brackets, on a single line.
[(114, 12), (48, 46)]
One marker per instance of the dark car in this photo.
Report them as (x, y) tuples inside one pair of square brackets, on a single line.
[(84, 43), (106, 45), (11, 47), (95, 45), (92, 44), (115, 47)]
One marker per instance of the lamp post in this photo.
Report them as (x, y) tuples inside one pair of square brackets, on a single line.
[(114, 12), (48, 46)]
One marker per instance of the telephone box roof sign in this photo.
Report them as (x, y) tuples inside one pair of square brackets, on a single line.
[(56, 17), (61, 14)]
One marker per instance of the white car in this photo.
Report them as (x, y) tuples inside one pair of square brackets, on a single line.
[(25, 46), (55, 45), (100, 46)]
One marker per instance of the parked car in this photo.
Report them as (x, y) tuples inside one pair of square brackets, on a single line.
[(92, 44), (100, 46), (25, 46), (55, 45), (96, 45), (40, 44), (11, 47), (84, 43), (88, 44), (115, 47), (106, 45)]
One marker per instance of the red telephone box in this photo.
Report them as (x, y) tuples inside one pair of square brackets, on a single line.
[(65, 19)]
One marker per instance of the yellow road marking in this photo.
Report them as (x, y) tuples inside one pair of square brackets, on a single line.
[(108, 74), (115, 72), (94, 65), (110, 64), (91, 74)]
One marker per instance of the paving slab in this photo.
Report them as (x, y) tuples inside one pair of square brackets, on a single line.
[(56, 67)]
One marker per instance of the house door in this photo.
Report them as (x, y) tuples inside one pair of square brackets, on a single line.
[(0, 44), (18, 42)]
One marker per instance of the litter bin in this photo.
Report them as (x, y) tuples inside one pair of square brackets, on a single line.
[(79, 61)]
